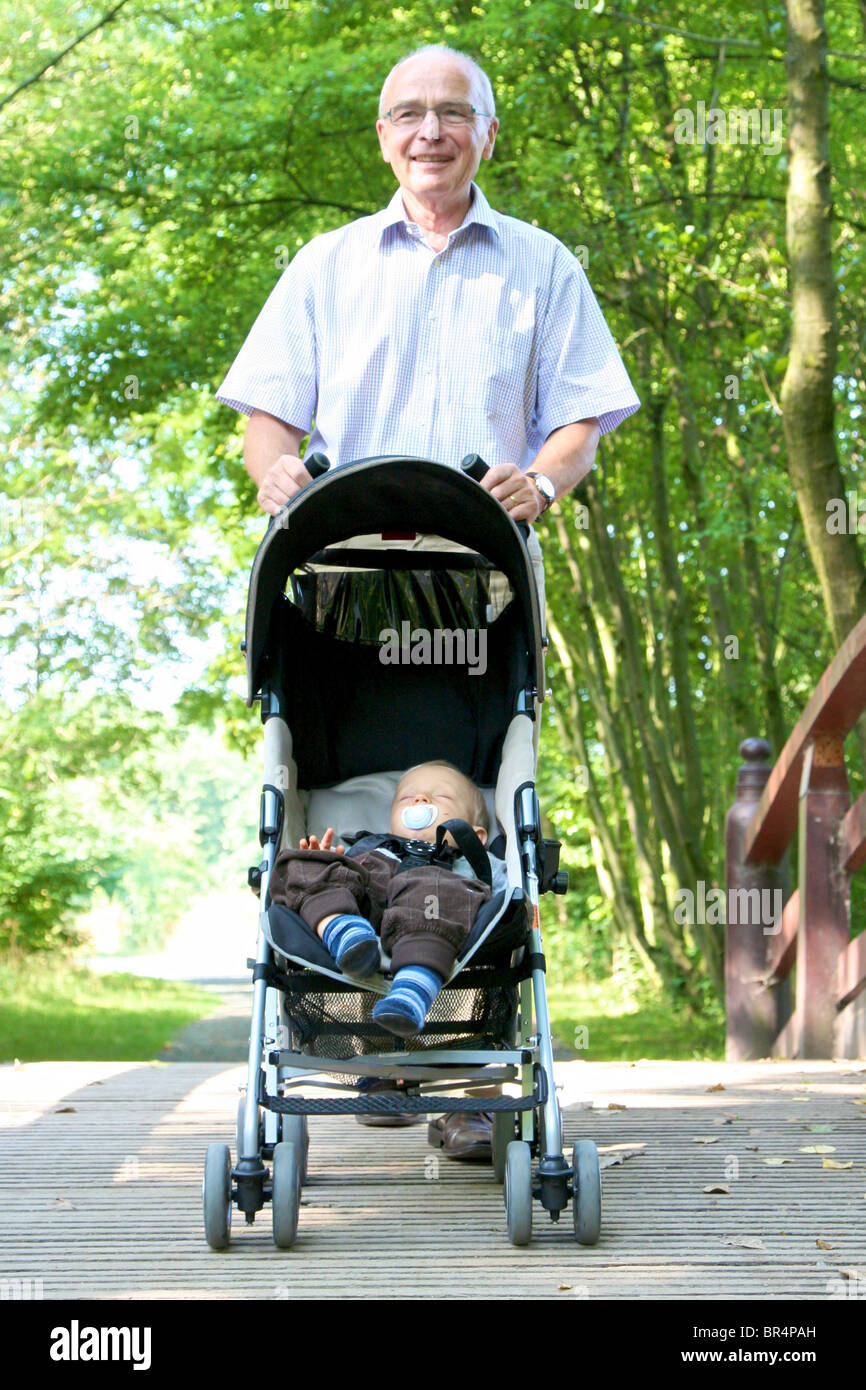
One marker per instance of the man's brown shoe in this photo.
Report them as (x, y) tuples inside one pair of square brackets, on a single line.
[(463, 1135)]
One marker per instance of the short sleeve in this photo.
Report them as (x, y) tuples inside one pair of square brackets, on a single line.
[(581, 375), (276, 369)]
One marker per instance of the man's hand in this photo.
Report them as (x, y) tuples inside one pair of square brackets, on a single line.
[(517, 493), (271, 457), (282, 481)]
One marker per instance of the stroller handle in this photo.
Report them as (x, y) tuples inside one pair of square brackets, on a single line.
[(474, 466), (316, 465)]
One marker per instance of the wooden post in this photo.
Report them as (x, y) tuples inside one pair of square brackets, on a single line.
[(825, 927), (753, 1009)]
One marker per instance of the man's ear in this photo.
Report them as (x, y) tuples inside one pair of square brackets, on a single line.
[(481, 833), (380, 131)]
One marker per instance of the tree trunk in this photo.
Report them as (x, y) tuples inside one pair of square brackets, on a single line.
[(807, 391)]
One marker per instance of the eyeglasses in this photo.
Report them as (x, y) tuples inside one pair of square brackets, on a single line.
[(409, 117)]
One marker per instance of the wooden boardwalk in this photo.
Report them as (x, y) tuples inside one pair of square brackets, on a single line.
[(101, 1164)]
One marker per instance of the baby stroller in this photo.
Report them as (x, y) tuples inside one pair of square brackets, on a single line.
[(410, 547)]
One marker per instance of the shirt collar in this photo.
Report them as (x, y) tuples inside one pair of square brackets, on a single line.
[(480, 212)]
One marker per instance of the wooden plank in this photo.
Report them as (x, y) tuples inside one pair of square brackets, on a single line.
[(836, 703), (852, 837), (785, 944), (851, 978), (104, 1200)]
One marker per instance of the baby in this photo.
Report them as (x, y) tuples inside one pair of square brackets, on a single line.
[(424, 911)]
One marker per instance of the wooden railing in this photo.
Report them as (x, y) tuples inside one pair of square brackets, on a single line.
[(806, 793)]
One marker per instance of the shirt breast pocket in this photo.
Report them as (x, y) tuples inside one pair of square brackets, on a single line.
[(487, 365)]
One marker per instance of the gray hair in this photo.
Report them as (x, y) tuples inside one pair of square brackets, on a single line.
[(441, 50)]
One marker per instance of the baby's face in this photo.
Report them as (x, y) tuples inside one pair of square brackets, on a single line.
[(432, 786)]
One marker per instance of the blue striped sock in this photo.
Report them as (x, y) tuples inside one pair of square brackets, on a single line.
[(353, 944), (404, 1010)]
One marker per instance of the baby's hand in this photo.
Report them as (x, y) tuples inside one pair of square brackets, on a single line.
[(312, 842)]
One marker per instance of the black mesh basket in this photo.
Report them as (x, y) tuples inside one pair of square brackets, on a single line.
[(331, 1020)]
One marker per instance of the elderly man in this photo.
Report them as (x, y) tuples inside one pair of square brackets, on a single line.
[(433, 328)]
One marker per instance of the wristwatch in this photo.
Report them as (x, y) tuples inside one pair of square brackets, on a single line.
[(546, 488)]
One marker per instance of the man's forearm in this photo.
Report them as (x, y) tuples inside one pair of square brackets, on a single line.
[(266, 439), (568, 454)]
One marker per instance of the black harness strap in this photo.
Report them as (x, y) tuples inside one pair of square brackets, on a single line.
[(413, 853), (469, 846)]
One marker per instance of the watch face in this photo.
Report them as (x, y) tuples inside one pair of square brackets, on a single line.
[(545, 486)]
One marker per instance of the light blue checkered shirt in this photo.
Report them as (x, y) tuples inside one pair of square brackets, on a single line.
[(379, 345)]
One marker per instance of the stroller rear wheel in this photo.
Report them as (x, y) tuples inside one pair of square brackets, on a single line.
[(217, 1196), (518, 1192), (286, 1194), (587, 1192)]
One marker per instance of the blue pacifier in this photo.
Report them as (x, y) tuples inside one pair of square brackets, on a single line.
[(420, 816)]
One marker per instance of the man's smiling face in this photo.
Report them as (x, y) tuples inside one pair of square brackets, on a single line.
[(435, 162)]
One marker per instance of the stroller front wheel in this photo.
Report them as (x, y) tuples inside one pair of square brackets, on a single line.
[(217, 1196), (518, 1192), (286, 1195), (587, 1192), (294, 1130), (503, 1133)]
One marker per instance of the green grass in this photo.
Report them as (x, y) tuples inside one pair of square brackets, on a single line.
[(55, 1012), (50, 1011), (623, 1029)]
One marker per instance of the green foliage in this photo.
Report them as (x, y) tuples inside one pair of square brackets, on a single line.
[(155, 180), (59, 762)]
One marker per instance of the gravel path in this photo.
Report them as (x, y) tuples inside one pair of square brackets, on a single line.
[(223, 1036)]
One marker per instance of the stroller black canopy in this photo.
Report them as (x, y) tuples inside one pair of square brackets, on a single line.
[(392, 494)]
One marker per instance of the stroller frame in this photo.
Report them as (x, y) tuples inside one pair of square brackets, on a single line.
[(272, 1117)]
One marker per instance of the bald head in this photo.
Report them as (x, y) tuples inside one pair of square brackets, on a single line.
[(438, 55)]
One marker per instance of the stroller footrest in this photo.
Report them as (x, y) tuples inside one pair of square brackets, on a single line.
[(395, 1102)]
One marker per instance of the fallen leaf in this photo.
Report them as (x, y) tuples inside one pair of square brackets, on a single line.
[(609, 1160), (753, 1148), (61, 1202), (820, 1129), (754, 1131), (852, 1272), (565, 1286), (612, 1105), (718, 1187), (818, 1149), (776, 1160), (747, 1242), (704, 1139), (831, 1163), (856, 1102), (717, 1087), (66, 1110), (823, 1244)]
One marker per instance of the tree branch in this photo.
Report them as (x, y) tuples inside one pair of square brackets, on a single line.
[(52, 62)]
